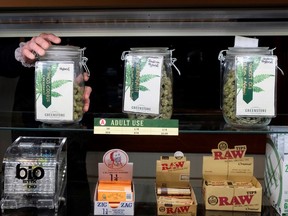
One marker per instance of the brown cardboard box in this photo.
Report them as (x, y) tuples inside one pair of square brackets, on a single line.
[(228, 181), (174, 193)]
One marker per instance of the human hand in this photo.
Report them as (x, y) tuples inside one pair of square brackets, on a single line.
[(38, 45)]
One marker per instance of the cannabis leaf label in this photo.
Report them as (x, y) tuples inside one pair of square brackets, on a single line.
[(45, 86), (133, 78), (247, 81)]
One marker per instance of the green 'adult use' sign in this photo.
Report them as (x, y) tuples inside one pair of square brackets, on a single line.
[(136, 126)]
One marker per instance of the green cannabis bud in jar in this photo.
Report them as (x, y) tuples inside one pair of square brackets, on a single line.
[(148, 84), (78, 103), (248, 78), (166, 100)]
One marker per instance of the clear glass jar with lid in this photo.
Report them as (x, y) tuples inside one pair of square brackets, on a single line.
[(59, 85), (148, 92), (248, 84)]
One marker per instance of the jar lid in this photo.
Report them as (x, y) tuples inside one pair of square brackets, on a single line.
[(59, 50), (248, 50), (150, 49), (64, 48)]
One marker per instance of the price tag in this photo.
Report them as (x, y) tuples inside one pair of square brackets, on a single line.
[(166, 127)]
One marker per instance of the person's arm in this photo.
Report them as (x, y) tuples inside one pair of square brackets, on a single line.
[(27, 51)]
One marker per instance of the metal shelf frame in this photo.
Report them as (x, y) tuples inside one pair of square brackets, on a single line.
[(143, 22)]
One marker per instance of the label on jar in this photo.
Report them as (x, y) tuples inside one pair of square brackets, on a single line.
[(142, 84), (255, 80), (54, 90)]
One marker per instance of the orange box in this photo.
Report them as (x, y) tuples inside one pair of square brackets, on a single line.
[(115, 192)]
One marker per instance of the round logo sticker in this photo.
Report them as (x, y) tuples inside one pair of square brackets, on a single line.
[(223, 146), (102, 122), (115, 158), (178, 155), (213, 200), (161, 209)]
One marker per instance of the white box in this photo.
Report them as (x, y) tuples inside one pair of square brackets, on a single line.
[(276, 170), (115, 168)]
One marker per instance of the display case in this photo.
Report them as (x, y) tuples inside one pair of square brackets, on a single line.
[(196, 33), (34, 173)]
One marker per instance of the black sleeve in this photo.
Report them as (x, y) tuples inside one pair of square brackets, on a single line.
[(10, 67)]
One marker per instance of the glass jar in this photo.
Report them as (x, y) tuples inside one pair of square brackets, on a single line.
[(248, 86), (59, 84), (148, 92)]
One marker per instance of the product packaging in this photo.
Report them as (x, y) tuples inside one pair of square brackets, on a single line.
[(148, 83), (228, 180), (276, 169), (174, 193), (248, 86), (34, 173), (114, 192), (59, 85)]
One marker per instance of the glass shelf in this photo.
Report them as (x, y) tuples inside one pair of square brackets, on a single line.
[(189, 123)]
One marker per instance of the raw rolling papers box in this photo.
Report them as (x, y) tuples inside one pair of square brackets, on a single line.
[(228, 181), (114, 192), (276, 170), (174, 193)]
